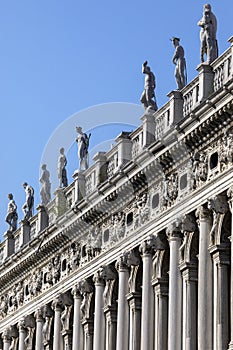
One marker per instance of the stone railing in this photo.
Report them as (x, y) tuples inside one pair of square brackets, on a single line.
[(222, 69), (137, 141), (162, 121), (190, 96), (90, 180)]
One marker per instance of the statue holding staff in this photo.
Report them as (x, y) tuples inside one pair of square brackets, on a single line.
[(83, 145)]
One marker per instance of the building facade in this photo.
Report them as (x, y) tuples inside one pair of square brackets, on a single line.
[(136, 253)]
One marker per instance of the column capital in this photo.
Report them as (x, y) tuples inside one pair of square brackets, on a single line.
[(122, 263), (230, 197), (76, 291), (218, 204), (57, 303), (38, 314), (147, 247), (6, 335), (174, 230), (21, 326), (203, 214), (98, 277)]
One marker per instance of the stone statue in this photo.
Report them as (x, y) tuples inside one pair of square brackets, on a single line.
[(45, 192), (148, 95), (28, 205), (61, 168), (209, 44), (179, 60), (12, 216), (83, 144)]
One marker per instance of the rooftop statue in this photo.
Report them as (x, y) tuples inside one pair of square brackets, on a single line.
[(45, 191), (29, 203), (12, 216), (83, 145), (148, 95), (179, 60), (61, 168), (209, 44)]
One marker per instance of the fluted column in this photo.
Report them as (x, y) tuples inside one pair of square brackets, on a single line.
[(175, 290), (57, 339), (123, 307), (39, 327), (99, 321), (77, 343), (146, 250), (205, 280), (6, 339), (22, 334)]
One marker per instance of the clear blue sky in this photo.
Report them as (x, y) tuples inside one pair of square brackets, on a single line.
[(59, 57)]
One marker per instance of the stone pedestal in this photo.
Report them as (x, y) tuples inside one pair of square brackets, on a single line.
[(9, 244), (206, 80), (60, 201), (101, 167), (176, 106), (124, 148), (24, 232), (148, 129), (43, 219), (79, 179)]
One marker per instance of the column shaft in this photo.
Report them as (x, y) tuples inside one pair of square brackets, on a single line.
[(147, 304), (99, 321), (123, 310), (77, 343), (175, 297), (57, 345), (205, 284)]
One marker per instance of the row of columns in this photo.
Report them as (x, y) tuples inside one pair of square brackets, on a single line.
[(110, 310)]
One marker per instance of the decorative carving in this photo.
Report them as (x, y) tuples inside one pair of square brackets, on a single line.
[(188, 227), (200, 169), (171, 189), (174, 229), (3, 306), (147, 246), (75, 255), (219, 206), (86, 290), (122, 262), (29, 323), (56, 268), (19, 293), (57, 303), (110, 276), (118, 223), (65, 318), (46, 330), (36, 283)]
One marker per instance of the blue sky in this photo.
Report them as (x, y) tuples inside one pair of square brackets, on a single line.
[(60, 57)]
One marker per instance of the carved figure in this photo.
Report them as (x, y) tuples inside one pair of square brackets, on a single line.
[(171, 189), (47, 329), (12, 215), (61, 168), (179, 60), (148, 95), (3, 306), (65, 317), (209, 44), (56, 268), (28, 205), (200, 169), (83, 145), (45, 192), (20, 293)]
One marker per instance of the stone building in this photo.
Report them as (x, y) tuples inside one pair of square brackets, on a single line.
[(136, 253)]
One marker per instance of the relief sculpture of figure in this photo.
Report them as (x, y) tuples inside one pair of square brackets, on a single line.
[(148, 95), (45, 191), (28, 205), (209, 44), (179, 60), (83, 144), (12, 216), (61, 168)]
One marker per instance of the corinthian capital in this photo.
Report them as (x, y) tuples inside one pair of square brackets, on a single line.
[(98, 277), (218, 204), (203, 213), (147, 246), (39, 314), (57, 303), (122, 262), (76, 290), (6, 336)]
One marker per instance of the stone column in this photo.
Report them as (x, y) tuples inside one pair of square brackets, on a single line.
[(205, 280), (24, 232), (230, 201), (123, 307), (206, 79), (6, 339), (146, 250), (22, 334), (77, 343), (39, 328), (189, 274), (161, 313), (9, 244), (43, 219), (175, 290), (99, 321), (57, 338), (148, 129)]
